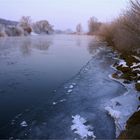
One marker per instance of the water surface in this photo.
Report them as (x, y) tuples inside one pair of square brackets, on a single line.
[(32, 67), (36, 74)]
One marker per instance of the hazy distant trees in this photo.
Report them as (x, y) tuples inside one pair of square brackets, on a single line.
[(79, 29), (24, 27), (2, 31), (93, 25), (25, 24), (42, 27)]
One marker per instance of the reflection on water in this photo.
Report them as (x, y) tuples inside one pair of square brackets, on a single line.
[(32, 67)]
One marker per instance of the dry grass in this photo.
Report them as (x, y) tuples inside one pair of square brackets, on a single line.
[(123, 33), (93, 26)]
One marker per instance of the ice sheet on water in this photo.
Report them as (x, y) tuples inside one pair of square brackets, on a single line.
[(128, 103), (114, 113), (24, 124), (79, 127)]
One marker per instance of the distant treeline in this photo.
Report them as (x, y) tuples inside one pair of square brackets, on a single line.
[(24, 27)]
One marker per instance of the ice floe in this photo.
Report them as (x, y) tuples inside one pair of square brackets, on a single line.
[(69, 91), (79, 127), (74, 84), (23, 124), (71, 86), (63, 100), (54, 103)]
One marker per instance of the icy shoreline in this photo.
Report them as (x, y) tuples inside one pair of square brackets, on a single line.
[(122, 107)]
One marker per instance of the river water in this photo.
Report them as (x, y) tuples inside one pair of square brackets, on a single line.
[(48, 81)]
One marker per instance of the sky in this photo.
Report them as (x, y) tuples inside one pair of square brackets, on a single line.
[(63, 14)]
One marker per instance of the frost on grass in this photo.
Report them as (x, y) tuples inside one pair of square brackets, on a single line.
[(136, 57), (122, 63), (135, 65), (79, 127), (24, 124)]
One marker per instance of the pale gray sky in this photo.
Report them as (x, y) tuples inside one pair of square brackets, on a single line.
[(62, 14)]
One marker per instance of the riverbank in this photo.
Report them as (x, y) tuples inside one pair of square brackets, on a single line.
[(125, 109)]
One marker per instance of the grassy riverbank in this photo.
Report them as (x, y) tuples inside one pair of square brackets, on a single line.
[(123, 35)]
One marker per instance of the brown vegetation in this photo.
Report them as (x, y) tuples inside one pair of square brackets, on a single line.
[(132, 128), (123, 33), (93, 26)]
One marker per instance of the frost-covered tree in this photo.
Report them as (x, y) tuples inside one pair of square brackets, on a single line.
[(25, 24), (42, 27)]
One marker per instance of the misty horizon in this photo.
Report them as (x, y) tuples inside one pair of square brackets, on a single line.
[(63, 14)]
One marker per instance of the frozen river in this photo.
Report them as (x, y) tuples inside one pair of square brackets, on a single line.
[(55, 87)]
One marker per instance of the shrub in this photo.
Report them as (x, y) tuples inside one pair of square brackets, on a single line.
[(93, 26), (123, 33)]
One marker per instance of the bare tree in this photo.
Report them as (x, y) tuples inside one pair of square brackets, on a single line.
[(79, 28), (93, 25)]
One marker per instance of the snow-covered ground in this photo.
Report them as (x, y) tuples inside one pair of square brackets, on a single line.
[(122, 107)]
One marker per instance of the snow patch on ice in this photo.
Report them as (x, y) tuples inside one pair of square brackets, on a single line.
[(123, 63), (113, 113), (24, 124), (71, 86), (74, 84), (79, 127), (54, 103), (69, 91), (63, 100)]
